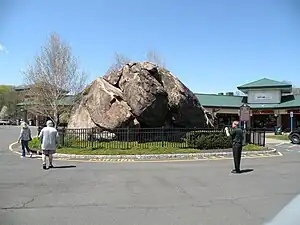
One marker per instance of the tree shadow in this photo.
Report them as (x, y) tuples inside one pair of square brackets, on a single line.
[(64, 167), (247, 170)]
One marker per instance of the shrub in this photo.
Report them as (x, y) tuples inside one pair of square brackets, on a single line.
[(213, 140), (35, 143)]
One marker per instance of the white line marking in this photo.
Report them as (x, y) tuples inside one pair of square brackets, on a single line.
[(289, 215), (280, 144), (11, 148), (153, 161)]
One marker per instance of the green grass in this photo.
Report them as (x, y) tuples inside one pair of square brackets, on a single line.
[(132, 151), (279, 137), (134, 148), (251, 147)]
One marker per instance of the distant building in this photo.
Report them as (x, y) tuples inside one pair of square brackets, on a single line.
[(26, 100), (270, 101)]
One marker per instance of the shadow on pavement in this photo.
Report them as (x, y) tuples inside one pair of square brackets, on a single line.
[(64, 167), (247, 170)]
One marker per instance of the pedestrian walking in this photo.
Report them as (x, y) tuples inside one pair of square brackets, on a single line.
[(24, 138), (237, 136), (48, 137)]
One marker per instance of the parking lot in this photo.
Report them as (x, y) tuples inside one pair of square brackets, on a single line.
[(285, 147)]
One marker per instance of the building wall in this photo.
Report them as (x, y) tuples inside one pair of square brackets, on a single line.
[(261, 96)]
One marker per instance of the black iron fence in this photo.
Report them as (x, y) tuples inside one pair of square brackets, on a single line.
[(126, 138), (255, 136)]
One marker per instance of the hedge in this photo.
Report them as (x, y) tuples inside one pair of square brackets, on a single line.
[(217, 140)]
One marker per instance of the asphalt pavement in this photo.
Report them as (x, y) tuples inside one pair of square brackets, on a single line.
[(187, 193)]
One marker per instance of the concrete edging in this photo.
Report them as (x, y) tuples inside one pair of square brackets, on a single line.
[(154, 156)]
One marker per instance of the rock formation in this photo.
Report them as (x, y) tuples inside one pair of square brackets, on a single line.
[(138, 95)]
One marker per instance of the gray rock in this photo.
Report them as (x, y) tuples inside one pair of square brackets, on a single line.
[(106, 106), (80, 118), (102, 106), (113, 78), (185, 109), (144, 94), (139, 95)]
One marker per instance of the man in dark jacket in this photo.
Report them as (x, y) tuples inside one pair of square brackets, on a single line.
[(237, 144)]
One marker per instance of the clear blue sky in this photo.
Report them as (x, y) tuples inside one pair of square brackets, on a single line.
[(212, 45)]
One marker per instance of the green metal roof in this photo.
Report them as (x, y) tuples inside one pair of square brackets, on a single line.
[(265, 83), (227, 101)]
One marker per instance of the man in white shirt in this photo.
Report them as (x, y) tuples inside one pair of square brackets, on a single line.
[(49, 138)]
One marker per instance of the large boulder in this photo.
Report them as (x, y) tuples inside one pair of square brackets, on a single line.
[(139, 95), (105, 106), (80, 118), (144, 94), (185, 109)]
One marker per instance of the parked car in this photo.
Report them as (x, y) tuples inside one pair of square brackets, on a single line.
[(294, 136), (13, 122), (4, 122)]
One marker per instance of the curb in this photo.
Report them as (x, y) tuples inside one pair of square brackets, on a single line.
[(155, 157), (160, 157)]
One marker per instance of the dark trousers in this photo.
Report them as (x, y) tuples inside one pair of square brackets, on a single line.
[(237, 154), (24, 145)]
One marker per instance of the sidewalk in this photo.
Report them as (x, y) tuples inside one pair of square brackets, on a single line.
[(272, 141)]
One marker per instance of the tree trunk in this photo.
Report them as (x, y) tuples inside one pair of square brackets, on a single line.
[(56, 118)]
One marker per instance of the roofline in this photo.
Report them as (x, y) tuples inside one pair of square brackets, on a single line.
[(268, 87), (234, 107), (221, 107), (220, 95)]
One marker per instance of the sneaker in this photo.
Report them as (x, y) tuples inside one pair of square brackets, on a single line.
[(44, 166), (22, 156), (51, 166)]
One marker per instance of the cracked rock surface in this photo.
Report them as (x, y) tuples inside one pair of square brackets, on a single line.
[(141, 94)]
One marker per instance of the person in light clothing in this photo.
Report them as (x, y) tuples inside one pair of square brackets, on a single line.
[(49, 138), (25, 137)]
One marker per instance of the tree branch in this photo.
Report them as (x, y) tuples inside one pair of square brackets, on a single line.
[(54, 74)]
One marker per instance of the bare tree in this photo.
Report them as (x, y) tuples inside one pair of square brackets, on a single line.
[(154, 58), (3, 112), (54, 75), (120, 60)]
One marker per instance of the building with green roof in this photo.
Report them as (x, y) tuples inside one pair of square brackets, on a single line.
[(26, 101), (271, 103)]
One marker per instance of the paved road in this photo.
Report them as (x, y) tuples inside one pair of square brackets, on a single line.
[(144, 193)]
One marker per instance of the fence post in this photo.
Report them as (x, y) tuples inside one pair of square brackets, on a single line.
[(39, 129), (92, 137), (61, 134), (127, 138), (264, 140), (259, 142), (162, 136)]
